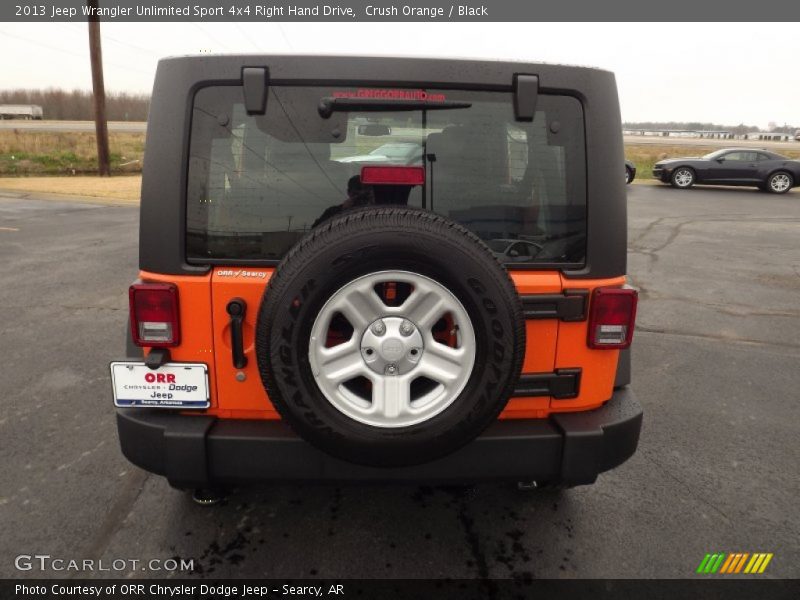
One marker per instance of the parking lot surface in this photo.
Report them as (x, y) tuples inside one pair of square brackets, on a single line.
[(715, 367)]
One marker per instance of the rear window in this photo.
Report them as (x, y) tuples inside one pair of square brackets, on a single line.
[(257, 183)]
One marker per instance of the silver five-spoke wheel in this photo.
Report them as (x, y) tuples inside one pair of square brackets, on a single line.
[(405, 360)]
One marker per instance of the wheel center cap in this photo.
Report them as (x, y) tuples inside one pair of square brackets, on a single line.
[(392, 346), (392, 349)]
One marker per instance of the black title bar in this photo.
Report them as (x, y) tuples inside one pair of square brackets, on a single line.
[(411, 10), (707, 588)]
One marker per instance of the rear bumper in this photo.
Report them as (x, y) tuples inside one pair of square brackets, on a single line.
[(200, 451)]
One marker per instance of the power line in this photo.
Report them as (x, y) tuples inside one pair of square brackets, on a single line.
[(65, 51), (209, 36), (43, 45), (105, 35), (246, 35), (133, 46), (285, 37)]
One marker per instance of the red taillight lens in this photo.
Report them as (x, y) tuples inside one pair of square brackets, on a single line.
[(154, 314), (611, 318), (392, 175)]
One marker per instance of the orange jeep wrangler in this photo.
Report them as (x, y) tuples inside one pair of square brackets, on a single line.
[(379, 269)]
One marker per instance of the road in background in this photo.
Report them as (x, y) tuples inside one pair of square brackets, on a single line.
[(71, 126), (648, 140), (140, 126), (715, 367)]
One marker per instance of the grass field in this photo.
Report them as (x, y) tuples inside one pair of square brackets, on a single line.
[(32, 153), (41, 155)]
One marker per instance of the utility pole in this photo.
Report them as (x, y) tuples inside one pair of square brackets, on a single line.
[(99, 95)]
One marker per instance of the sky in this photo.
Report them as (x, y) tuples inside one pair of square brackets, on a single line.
[(725, 73)]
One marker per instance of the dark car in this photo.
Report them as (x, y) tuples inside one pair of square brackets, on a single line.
[(397, 153), (511, 250), (732, 166), (630, 171)]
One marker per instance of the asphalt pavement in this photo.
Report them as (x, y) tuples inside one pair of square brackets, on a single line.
[(715, 367)]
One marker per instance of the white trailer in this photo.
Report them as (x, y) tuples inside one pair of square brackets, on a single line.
[(20, 111)]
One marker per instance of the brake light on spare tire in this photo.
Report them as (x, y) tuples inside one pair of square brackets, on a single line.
[(612, 315), (154, 314)]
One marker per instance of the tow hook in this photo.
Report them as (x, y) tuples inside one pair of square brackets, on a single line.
[(157, 357)]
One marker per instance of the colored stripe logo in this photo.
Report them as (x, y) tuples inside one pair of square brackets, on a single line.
[(733, 563)]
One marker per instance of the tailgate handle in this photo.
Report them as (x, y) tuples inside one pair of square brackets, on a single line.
[(569, 306), (236, 309)]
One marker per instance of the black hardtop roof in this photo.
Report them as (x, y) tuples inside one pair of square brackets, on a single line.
[(376, 57), (389, 69)]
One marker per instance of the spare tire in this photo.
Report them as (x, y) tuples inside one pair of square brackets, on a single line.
[(390, 337)]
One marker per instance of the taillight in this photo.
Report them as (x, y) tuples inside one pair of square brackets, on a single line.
[(611, 318), (154, 314), (392, 175)]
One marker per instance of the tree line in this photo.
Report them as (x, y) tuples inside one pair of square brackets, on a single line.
[(76, 105), (697, 126)]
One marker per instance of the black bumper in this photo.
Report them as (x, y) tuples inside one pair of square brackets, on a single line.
[(199, 451), (662, 175)]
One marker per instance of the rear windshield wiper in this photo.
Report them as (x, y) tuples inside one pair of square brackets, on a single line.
[(327, 106)]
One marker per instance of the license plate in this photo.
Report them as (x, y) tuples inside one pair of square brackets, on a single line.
[(172, 385)]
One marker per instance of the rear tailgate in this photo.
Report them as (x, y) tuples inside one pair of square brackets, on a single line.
[(553, 345), (240, 393)]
